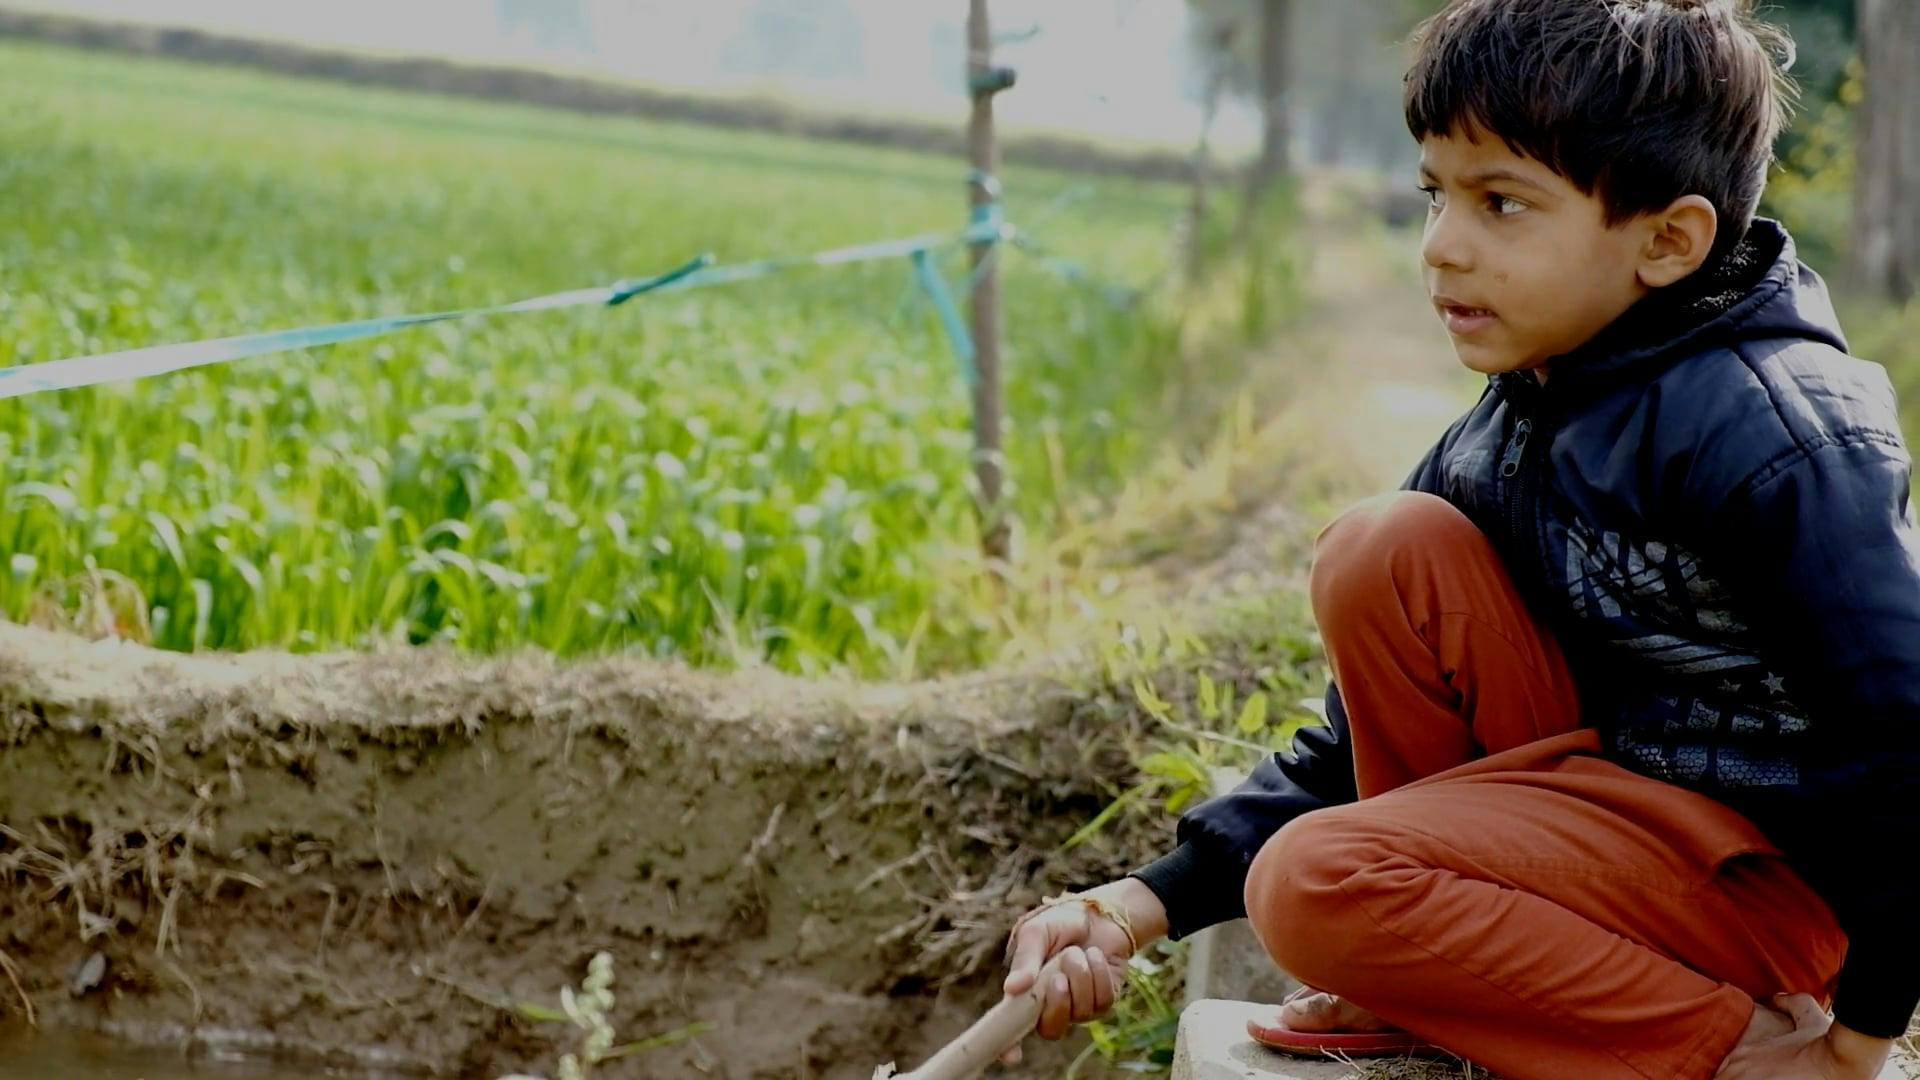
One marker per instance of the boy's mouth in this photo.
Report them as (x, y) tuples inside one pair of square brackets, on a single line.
[(1463, 319)]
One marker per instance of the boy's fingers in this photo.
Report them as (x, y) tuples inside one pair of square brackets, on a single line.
[(1103, 989), (1029, 952), (1805, 1011), (1054, 1012), (1079, 973), (1011, 1056)]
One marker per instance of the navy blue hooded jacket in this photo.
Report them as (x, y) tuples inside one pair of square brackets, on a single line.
[(1707, 504)]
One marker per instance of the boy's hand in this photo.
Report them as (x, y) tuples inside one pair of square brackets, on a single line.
[(1798, 1041), (1095, 962)]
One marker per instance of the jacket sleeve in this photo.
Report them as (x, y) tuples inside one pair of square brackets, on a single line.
[(1824, 539), (1202, 881)]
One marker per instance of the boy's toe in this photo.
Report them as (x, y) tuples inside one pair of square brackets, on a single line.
[(1322, 1012)]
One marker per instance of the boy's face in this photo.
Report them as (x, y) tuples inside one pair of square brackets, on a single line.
[(1520, 264)]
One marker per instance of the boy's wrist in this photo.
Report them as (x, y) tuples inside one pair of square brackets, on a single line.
[(1144, 909)]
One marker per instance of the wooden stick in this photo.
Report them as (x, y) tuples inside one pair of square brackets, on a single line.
[(989, 458), (977, 1047)]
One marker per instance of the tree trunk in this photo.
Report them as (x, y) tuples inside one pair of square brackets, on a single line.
[(1886, 224), (1274, 161), (1222, 58), (1275, 20), (1338, 117)]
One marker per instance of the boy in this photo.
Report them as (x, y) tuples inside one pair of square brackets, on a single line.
[(1621, 772)]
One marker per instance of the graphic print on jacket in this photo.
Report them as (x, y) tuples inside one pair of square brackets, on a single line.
[(1705, 709), (1592, 483)]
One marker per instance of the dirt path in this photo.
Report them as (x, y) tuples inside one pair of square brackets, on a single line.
[(1364, 384), (1392, 383)]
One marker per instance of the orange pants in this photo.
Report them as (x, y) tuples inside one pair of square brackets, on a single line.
[(1500, 889)]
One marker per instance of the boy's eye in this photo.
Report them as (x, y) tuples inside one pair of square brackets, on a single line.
[(1504, 206), (1432, 192)]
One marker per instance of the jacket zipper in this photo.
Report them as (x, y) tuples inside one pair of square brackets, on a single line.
[(1510, 463)]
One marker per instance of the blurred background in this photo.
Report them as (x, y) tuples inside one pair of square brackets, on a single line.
[(1027, 334), (159, 202)]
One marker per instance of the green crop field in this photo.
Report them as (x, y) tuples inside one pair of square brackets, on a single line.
[(776, 469)]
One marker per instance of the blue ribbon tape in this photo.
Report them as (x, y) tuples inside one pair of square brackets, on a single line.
[(986, 225), (956, 328), (81, 371)]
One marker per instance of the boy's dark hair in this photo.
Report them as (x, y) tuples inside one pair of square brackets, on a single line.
[(1638, 102)]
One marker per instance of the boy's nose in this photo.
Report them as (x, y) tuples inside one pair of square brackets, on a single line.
[(1444, 247)]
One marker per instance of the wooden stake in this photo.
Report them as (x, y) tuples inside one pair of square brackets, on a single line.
[(985, 80)]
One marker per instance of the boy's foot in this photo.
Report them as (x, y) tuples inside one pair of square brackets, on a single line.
[(1314, 1023), (1313, 1010)]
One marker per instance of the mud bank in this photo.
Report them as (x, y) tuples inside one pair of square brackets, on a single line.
[(377, 858)]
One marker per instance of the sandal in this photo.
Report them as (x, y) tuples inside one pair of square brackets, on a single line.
[(1350, 1044), (1371, 1044)]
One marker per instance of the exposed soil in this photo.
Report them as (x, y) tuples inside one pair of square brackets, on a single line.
[(388, 852)]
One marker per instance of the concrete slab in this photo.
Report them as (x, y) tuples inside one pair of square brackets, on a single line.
[(1213, 1045), (1227, 961)]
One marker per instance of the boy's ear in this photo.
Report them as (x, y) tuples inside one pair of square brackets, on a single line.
[(1679, 239)]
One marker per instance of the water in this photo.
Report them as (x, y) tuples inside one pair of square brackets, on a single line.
[(66, 1055)]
